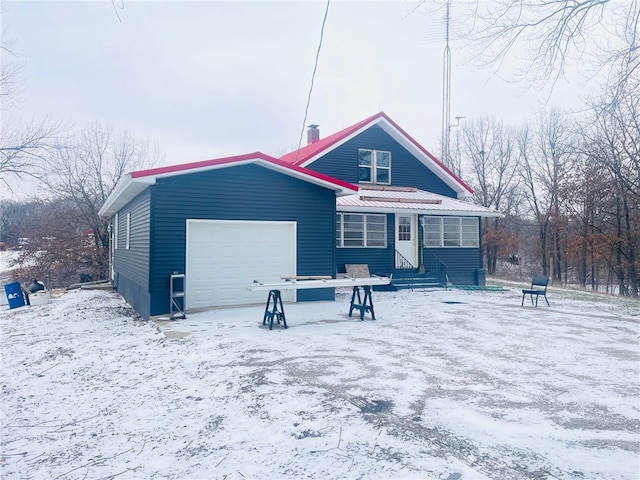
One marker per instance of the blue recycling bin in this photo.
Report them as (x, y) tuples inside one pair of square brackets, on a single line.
[(15, 296)]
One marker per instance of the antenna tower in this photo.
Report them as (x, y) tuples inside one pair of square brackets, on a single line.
[(446, 91)]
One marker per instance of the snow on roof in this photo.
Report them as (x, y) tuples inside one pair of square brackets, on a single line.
[(135, 182), (310, 153), (411, 200)]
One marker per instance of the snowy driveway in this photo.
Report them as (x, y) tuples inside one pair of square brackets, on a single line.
[(448, 385)]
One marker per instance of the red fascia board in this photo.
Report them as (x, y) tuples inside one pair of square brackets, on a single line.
[(196, 165), (428, 154), (300, 156), (185, 167), (314, 174)]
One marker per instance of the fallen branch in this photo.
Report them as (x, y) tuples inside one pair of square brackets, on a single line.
[(37, 456), (41, 374), (75, 422), (223, 459), (143, 445), (121, 473), (93, 462)]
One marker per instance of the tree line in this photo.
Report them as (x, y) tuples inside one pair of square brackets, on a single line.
[(568, 186), (69, 171), (57, 230)]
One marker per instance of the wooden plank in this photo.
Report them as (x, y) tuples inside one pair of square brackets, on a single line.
[(307, 277), (331, 283)]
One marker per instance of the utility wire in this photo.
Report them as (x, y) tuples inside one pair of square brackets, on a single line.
[(313, 76)]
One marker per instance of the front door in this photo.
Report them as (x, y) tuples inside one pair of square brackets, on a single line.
[(406, 244)]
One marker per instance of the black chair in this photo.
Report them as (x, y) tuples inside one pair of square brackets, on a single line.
[(538, 288)]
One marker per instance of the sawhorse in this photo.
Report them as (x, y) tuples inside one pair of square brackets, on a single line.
[(277, 311), (364, 305)]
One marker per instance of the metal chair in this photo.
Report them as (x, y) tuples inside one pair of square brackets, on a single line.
[(538, 288)]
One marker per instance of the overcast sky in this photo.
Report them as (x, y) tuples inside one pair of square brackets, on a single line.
[(210, 79)]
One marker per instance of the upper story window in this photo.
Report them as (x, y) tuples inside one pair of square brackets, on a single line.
[(374, 166)]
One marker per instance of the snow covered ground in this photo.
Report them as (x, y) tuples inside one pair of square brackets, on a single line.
[(447, 385)]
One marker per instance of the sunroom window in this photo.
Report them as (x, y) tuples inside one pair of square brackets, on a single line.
[(356, 230), (374, 166), (458, 232)]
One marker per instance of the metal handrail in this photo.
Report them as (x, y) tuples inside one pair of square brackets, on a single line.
[(443, 269), (401, 263)]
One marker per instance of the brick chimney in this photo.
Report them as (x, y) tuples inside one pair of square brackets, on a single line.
[(313, 134)]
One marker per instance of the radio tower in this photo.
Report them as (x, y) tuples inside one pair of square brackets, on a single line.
[(446, 92)]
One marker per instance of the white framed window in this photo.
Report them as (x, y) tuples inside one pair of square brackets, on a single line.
[(454, 232), (357, 230), (404, 228), (374, 166), (116, 219), (128, 232)]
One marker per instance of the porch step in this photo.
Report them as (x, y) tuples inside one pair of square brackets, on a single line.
[(416, 282), (403, 280)]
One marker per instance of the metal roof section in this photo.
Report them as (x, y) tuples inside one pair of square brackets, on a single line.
[(134, 183), (310, 153), (409, 200)]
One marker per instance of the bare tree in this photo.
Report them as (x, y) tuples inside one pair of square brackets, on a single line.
[(613, 140), (10, 80), (544, 37), (24, 146), (488, 150), (85, 172), (547, 159)]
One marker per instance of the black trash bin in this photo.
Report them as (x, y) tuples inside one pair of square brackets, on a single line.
[(36, 286)]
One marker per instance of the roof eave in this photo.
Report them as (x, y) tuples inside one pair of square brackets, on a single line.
[(338, 186), (397, 133), (420, 211), (134, 183)]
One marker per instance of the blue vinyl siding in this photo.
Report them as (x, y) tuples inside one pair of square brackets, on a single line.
[(462, 263), (132, 264), (380, 260), (406, 170), (247, 192)]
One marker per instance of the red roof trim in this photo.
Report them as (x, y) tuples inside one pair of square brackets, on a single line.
[(185, 167), (196, 165), (305, 153), (311, 173), (429, 154), (298, 157)]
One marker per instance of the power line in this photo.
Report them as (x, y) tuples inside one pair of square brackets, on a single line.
[(313, 76)]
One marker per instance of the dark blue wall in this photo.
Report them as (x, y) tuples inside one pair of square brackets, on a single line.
[(247, 192), (406, 170), (461, 263), (380, 260), (132, 264)]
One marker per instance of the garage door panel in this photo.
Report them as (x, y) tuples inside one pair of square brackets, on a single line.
[(224, 257)]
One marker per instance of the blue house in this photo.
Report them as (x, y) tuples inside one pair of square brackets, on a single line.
[(368, 194), (409, 216), (223, 223)]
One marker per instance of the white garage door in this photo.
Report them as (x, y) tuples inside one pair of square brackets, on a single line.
[(224, 257)]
